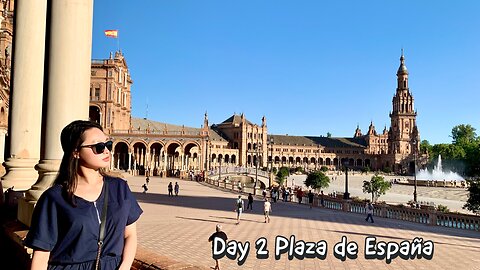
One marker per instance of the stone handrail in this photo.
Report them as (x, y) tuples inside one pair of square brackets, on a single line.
[(237, 170), (429, 217)]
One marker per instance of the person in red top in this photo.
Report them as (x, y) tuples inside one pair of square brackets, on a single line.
[(300, 195)]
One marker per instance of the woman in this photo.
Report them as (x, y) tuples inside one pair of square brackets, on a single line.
[(66, 221)]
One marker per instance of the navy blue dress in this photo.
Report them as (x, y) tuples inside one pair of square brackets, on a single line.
[(71, 233)]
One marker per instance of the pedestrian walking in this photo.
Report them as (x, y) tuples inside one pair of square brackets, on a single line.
[(267, 209), (369, 209), (310, 198), (147, 180), (300, 195), (170, 189), (217, 234), (177, 188), (239, 207), (264, 193), (250, 202), (145, 188), (322, 202)]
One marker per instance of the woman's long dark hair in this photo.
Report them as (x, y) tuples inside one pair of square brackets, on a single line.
[(71, 138)]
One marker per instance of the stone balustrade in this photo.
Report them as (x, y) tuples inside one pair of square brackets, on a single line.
[(427, 216)]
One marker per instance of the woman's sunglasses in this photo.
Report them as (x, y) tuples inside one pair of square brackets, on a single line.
[(98, 148)]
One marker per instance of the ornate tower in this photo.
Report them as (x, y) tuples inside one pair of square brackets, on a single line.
[(403, 134)]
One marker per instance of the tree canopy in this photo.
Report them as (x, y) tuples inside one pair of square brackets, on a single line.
[(376, 186), (317, 179), (282, 173), (462, 155), (473, 202), (463, 134)]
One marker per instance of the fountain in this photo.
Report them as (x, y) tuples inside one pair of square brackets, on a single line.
[(438, 173)]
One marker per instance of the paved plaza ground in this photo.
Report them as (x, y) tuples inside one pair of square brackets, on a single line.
[(178, 227)]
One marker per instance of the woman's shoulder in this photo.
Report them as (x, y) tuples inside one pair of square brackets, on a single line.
[(53, 193), (116, 181)]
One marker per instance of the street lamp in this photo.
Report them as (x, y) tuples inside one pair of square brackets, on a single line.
[(219, 169), (346, 195), (414, 143), (271, 161), (256, 168)]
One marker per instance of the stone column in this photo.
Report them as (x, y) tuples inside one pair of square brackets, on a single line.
[(112, 154), (129, 161), (3, 132), (182, 161), (26, 95), (164, 161), (69, 68)]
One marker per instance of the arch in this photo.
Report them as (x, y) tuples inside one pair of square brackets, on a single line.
[(351, 162), (313, 160), (227, 158), (173, 161), (233, 159), (328, 162), (320, 161), (284, 160), (335, 162), (121, 156), (139, 156), (277, 159), (305, 160), (367, 163), (290, 160), (359, 162), (298, 160), (249, 160), (155, 157), (94, 114), (3, 116), (249, 146)]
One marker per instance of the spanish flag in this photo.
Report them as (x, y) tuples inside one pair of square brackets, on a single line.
[(111, 33)]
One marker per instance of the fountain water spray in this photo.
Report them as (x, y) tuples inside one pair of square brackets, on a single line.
[(438, 173)]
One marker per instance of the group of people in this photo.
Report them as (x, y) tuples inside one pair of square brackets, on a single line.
[(171, 188), (240, 206)]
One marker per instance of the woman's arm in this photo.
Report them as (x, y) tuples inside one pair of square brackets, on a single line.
[(130, 247), (40, 260)]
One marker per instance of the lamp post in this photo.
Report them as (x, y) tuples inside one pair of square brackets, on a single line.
[(219, 169), (206, 154), (271, 161), (414, 143), (346, 195)]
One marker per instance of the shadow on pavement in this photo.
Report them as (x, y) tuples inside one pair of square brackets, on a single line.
[(291, 210)]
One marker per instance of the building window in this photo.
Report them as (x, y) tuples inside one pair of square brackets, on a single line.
[(97, 93)]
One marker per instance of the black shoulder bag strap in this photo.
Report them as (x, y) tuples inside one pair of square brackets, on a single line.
[(102, 225)]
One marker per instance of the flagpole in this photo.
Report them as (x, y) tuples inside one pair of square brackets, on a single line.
[(118, 41)]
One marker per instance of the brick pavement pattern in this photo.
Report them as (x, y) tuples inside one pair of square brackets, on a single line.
[(178, 228)]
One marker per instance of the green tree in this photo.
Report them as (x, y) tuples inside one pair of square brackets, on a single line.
[(324, 169), (329, 135), (282, 173), (463, 134), (473, 202), (425, 147), (317, 179), (376, 186)]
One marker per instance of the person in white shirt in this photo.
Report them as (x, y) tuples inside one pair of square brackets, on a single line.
[(267, 209), (239, 207)]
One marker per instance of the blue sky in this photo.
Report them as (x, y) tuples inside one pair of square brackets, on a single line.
[(310, 67)]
